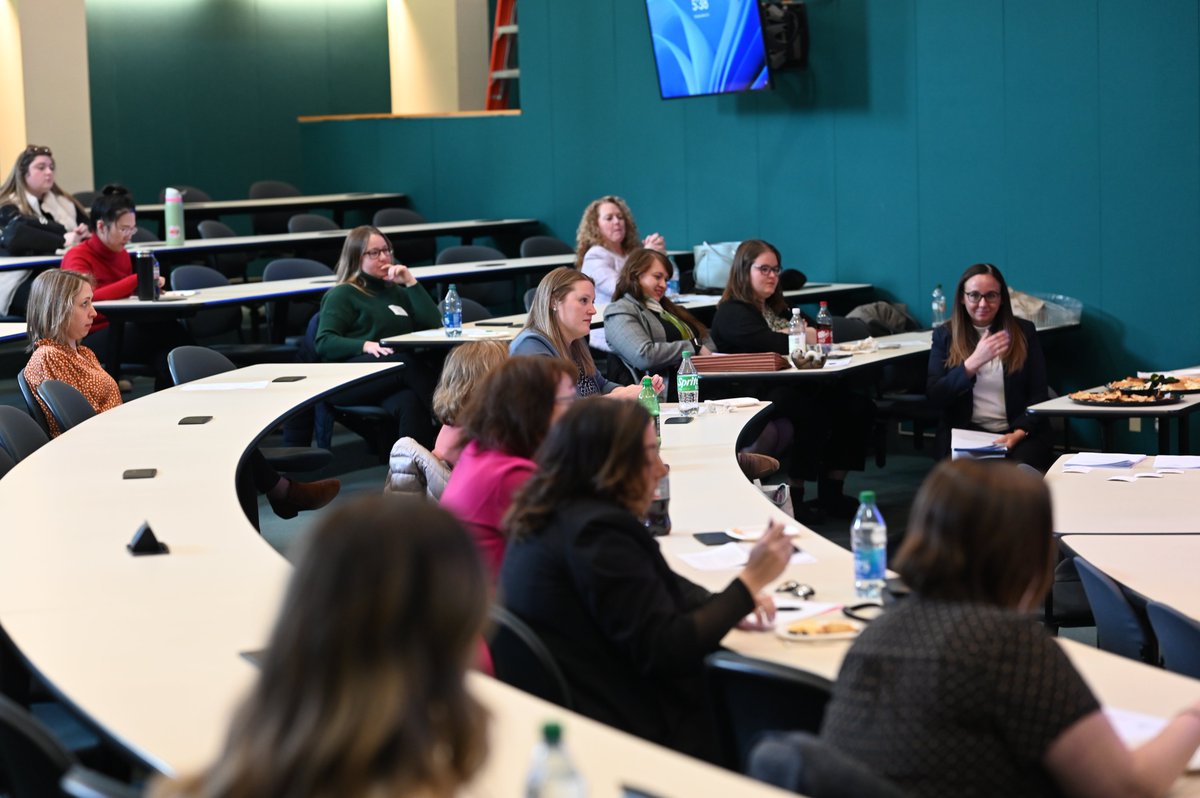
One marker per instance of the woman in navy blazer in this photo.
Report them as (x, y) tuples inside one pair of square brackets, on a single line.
[(986, 368)]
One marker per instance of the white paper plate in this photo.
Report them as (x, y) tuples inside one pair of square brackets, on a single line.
[(781, 630)]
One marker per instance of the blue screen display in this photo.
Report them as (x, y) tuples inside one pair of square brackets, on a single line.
[(707, 46)]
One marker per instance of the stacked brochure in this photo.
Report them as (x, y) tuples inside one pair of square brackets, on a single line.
[(1105, 460), (976, 444)]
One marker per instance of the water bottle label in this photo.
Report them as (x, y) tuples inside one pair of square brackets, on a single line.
[(824, 335), (687, 382), (870, 563)]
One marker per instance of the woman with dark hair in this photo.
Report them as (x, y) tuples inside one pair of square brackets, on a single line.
[(645, 329), (558, 324), (986, 368), (375, 299), (585, 574), (607, 235), (958, 690), (503, 432), (60, 315), (830, 424), (103, 256), (36, 218), (361, 690)]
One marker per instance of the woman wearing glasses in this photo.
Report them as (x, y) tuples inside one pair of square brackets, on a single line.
[(375, 299), (103, 256), (36, 218), (986, 368), (829, 423)]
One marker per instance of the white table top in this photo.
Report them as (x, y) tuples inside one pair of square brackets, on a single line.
[(343, 199), (150, 647), (1089, 504), (1158, 567), (891, 347), (1065, 406), (13, 330)]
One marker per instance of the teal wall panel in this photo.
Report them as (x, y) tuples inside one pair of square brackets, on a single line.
[(206, 92)]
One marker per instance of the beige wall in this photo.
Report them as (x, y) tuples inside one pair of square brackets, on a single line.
[(12, 89), (439, 53), (57, 105)]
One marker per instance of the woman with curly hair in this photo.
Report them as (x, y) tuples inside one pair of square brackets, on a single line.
[(583, 572), (361, 691), (607, 235)]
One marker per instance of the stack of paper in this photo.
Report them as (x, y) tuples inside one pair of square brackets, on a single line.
[(975, 444), (1105, 460), (1177, 461)]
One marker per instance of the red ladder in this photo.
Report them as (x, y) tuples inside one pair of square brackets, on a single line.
[(504, 40)]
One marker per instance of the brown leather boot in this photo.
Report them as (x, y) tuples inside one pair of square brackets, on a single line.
[(302, 496), (756, 466)]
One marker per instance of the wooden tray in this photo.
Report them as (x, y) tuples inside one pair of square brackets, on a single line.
[(760, 361)]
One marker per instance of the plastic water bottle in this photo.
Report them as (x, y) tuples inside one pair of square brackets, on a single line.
[(673, 287), (452, 313), (649, 400), (551, 774), (797, 334), (824, 329), (939, 305), (173, 214), (687, 385), (868, 539)]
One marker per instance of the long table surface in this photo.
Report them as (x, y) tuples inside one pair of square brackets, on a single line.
[(342, 200), (148, 648), (1157, 567), (13, 330), (1091, 504)]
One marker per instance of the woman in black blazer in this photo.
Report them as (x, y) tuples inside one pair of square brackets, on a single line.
[(581, 569), (986, 368)]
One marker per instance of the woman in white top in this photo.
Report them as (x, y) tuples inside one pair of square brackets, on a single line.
[(986, 368), (48, 218), (607, 235)]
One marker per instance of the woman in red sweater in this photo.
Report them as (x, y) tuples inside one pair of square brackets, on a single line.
[(105, 258)]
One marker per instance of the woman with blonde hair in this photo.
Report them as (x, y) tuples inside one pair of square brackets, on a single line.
[(606, 237), (361, 691), (464, 370), (375, 299), (558, 325), (36, 218), (986, 368), (958, 690)]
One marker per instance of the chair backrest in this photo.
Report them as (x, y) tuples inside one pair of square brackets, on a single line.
[(804, 763), (82, 782), (267, 189), (293, 268), (1178, 638), (847, 329), (536, 246), (474, 311), (271, 222), (189, 194), (31, 402), (20, 435), (69, 407), (751, 696), (211, 228), (193, 277), (310, 223), (1119, 630), (189, 363), (31, 759), (529, 295), (466, 253), (86, 198), (141, 236), (521, 659), (407, 250), (6, 463), (213, 321)]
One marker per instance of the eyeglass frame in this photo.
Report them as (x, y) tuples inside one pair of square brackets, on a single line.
[(767, 271), (374, 254), (975, 297)]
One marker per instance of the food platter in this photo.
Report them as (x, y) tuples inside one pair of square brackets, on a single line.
[(1118, 398), (819, 629), (1144, 387)]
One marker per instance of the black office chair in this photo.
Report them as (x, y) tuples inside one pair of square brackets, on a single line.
[(224, 321), (86, 198), (299, 309), (496, 294), (1178, 638), (1119, 630), (6, 463), (751, 696), (32, 760), (189, 363), (529, 295), (537, 246), (20, 435), (143, 236), (310, 223), (473, 311), (271, 222), (522, 660), (230, 264), (407, 250), (804, 763), (31, 402), (82, 782), (67, 405)]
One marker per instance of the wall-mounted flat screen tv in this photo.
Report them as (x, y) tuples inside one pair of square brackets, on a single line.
[(707, 46)]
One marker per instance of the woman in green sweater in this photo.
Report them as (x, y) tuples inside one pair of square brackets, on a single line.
[(375, 299)]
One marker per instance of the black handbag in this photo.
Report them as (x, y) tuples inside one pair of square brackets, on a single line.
[(24, 235)]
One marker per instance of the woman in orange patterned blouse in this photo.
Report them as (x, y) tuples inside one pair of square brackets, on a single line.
[(60, 314)]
